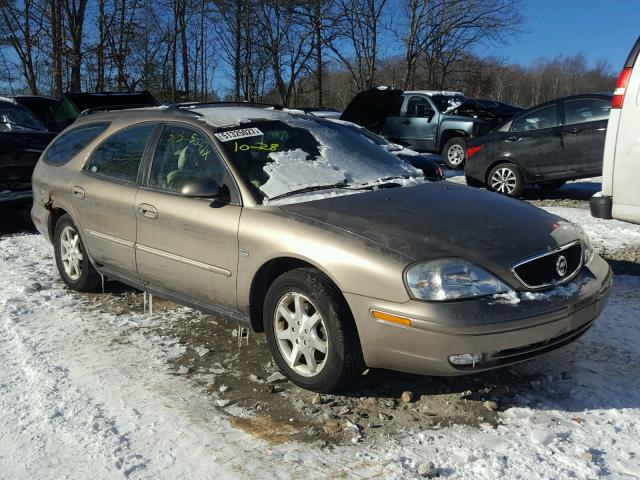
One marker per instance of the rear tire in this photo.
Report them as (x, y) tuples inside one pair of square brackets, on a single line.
[(551, 186), (506, 179), (454, 152), (72, 260), (310, 331)]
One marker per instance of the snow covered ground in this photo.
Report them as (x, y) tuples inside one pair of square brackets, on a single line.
[(88, 394)]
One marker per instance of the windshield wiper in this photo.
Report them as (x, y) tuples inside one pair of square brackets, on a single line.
[(311, 189), (385, 183)]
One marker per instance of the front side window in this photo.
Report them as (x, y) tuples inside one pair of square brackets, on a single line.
[(68, 145), (545, 117), (120, 155), (182, 155), (583, 110), (416, 106)]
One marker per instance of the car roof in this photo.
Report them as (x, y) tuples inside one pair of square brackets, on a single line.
[(447, 93), (215, 115)]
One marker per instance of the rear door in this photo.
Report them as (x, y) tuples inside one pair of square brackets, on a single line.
[(103, 195), (584, 133), (188, 246), (535, 143)]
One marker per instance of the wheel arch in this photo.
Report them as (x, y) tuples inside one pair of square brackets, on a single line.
[(448, 135), (264, 277)]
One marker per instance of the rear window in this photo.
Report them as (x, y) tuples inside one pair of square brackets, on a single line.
[(67, 145)]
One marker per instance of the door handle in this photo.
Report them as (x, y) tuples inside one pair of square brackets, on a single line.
[(513, 138), (148, 211), (406, 122), (575, 131), (78, 192)]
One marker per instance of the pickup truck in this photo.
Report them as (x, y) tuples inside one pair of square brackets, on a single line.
[(426, 120)]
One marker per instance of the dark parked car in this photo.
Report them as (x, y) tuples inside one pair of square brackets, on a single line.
[(424, 120), (41, 106), (546, 145), (22, 139)]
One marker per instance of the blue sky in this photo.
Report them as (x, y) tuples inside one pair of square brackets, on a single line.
[(600, 29)]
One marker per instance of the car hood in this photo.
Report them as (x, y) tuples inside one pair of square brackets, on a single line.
[(444, 220), (370, 108)]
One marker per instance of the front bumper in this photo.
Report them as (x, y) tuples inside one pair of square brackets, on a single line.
[(503, 332)]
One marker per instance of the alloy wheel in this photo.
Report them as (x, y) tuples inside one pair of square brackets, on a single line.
[(301, 334), (504, 180), (70, 253), (455, 154)]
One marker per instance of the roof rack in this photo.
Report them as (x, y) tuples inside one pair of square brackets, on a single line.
[(229, 103), (108, 108)]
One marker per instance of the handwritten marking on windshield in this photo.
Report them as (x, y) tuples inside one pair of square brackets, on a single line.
[(259, 146)]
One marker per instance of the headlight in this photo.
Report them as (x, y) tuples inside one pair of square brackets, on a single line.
[(450, 279)]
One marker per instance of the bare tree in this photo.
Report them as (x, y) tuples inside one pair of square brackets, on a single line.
[(20, 25), (361, 21)]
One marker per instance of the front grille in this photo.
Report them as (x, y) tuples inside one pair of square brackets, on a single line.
[(550, 269)]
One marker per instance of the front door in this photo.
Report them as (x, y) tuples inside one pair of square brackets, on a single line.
[(103, 196), (188, 245), (536, 143), (416, 125), (584, 133)]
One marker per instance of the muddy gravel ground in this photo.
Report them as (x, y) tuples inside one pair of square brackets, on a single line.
[(235, 368)]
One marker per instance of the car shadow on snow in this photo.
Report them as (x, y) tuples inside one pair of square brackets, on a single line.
[(580, 190)]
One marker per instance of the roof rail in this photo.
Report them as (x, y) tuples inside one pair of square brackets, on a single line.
[(229, 103), (108, 108)]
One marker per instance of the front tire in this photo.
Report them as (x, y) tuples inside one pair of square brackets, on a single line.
[(506, 179), (310, 331), (454, 153), (72, 260)]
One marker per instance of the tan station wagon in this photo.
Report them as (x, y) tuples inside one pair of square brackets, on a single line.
[(307, 230)]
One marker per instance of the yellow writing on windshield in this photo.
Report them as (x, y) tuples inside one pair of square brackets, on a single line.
[(237, 147)]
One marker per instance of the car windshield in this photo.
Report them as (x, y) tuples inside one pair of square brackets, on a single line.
[(283, 157), (447, 102), (17, 118)]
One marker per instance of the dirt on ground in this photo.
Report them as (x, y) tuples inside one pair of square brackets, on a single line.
[(236, 371)]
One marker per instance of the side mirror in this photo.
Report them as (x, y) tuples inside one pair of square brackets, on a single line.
[(429, 114), (201, 188)]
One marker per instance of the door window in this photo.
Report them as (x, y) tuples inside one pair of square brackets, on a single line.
[(120, 155), (184, 154), (545, 117), (416, 106), (582, 110)]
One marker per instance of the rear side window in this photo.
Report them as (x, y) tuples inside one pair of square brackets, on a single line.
[(545, 117), (582, 110), (67, 145), (119, 156)]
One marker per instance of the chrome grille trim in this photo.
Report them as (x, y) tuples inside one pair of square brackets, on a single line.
[(532, 258)]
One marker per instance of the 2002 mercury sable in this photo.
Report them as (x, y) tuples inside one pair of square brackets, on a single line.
[(299, 227)]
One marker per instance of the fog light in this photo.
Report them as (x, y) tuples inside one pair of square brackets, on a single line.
[(465, 359)]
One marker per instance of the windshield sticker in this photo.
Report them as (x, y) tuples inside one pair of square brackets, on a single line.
[(258, 146), (236, 134)]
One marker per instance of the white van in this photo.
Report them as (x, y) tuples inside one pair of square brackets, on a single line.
[(620, 196)]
